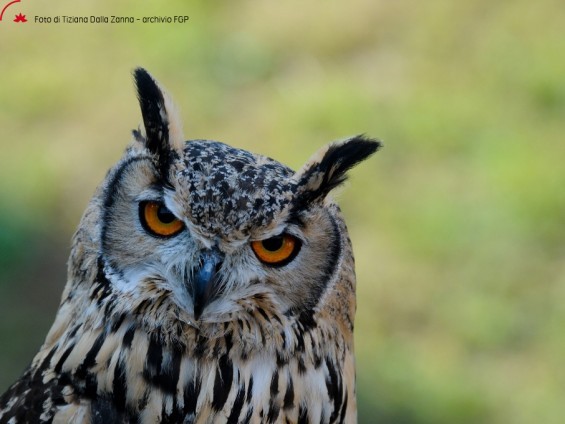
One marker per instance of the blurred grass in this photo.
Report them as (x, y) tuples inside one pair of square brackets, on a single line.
[(457, 223)]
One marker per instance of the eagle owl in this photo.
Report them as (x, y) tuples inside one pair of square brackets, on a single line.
[(206, 284)]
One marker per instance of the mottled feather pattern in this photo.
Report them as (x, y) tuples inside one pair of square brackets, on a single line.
[(267, 343)]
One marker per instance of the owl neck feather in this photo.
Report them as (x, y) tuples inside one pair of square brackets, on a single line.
[(282, 366)]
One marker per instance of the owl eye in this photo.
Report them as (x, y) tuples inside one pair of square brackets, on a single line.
[(158, 220), (276, 251)]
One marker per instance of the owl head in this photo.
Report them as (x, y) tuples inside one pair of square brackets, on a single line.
[(197, 234)]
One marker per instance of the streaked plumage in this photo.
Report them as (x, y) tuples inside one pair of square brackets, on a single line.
[(206, 284)]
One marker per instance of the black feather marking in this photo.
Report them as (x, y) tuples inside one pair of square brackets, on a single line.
[(277, 318), (317, 360), (262, 333), (229, 342), (249, 390), (102, 288), (164, 376), (200, 348), (303, 415), (301, 366), (153, 361), (191, 391), (288, 402), (275, 384), (90, 358), (306, 317), (335, 388), (299, 339), (154, 357), (74, 331), (331, 380), (218, 347), (222, 382), (118, 322), (119, 386), (274, 411), (128, 337), (263, 314), (63, 358), (237, 406), (170, 374), (281, 360), (283, 337)]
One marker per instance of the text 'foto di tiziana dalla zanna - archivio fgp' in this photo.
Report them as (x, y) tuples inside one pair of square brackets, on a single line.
[(111, 19)]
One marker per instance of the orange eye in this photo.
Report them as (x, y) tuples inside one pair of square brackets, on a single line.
[(158, 220), (278, 250)]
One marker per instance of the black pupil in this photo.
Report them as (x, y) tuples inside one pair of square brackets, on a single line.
[(273, 244), (165, 215)]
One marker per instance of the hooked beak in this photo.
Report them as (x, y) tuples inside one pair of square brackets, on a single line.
[(204, 280)]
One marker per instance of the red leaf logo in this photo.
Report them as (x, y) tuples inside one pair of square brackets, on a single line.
[(20, 18)]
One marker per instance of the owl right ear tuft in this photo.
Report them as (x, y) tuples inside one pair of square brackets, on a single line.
[(163, 130), (328, 168)]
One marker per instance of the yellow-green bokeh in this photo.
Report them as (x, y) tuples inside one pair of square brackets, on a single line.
[(458, 224)]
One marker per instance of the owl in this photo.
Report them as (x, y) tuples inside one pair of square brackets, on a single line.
[(206, 284)]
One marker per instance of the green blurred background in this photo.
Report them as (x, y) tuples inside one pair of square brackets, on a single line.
[(458, 224)]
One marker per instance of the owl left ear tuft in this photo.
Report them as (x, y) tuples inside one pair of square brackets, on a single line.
[(328, 168), (163, 131)]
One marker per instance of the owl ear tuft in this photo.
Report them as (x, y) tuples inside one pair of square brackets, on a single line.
[(328, 168), (163, 130)]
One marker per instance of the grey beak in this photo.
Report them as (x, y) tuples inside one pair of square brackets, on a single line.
[(204, 280)]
